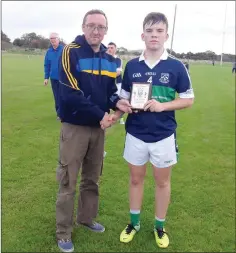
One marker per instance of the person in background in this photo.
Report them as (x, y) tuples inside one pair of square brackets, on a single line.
[(234, 68), (112, 49), (51, 63), (186, 64)]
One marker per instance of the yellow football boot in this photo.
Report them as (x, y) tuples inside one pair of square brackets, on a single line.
[(162, 239), (128, 233)]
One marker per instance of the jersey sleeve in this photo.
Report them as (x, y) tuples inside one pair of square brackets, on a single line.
[(184, 84), (47, 66), (126, 84), (119, 64)]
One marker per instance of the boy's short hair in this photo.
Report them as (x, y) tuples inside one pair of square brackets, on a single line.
[(111, 44), (155, 17)]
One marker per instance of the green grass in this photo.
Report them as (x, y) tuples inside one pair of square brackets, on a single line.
[(201, 216)]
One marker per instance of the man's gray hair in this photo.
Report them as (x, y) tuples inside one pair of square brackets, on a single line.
[(54, 34)]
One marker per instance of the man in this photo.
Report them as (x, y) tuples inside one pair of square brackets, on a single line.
[(151, 132), (234, 68), (186, 64), (87, 93), (51, 62), (112, 51)]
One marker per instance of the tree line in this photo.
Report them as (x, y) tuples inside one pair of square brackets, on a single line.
[(34, 41), (208, 55), (29, 41)]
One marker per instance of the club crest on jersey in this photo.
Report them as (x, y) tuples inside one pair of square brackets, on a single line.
[(164, 78)]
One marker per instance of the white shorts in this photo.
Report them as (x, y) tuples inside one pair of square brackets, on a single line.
[(118, 85), (161, 154)]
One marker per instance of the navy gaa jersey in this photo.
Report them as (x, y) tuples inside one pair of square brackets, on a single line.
[(168, 77), (119, 67)]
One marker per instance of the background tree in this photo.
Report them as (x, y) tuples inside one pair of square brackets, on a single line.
[(4, 37), (18, 42)]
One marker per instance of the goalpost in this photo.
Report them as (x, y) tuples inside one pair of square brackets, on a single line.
[(223, 37), (173, 30)]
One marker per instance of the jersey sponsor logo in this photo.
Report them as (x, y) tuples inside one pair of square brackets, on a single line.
[(164, 78), (137, 75), (150, 73), (159, 97)]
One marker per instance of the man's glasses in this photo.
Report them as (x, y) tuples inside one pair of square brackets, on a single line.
[(92, 27)]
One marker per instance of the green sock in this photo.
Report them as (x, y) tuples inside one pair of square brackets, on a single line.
[(135, 217), (159, 223)]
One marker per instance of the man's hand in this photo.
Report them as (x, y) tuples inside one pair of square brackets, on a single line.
[(124, 105), (118, 72), (45, 82), (115, 116), (109, 120), (154, 106), (105, 122)]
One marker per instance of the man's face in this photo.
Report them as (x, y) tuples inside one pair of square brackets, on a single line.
[(54, 40), (155, 36), (111, 49), (94, 29)]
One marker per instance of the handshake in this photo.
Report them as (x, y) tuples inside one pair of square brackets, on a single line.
[(108, 120), (123, 106)]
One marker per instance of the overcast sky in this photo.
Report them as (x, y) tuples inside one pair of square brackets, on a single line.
[(198, 26)]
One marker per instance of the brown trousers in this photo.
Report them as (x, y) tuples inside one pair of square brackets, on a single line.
[(79, 146)]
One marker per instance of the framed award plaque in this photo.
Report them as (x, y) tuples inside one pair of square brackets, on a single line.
[(140, 94)]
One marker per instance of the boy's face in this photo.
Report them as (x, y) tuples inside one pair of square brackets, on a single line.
[(111, 49), (155, 36)]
